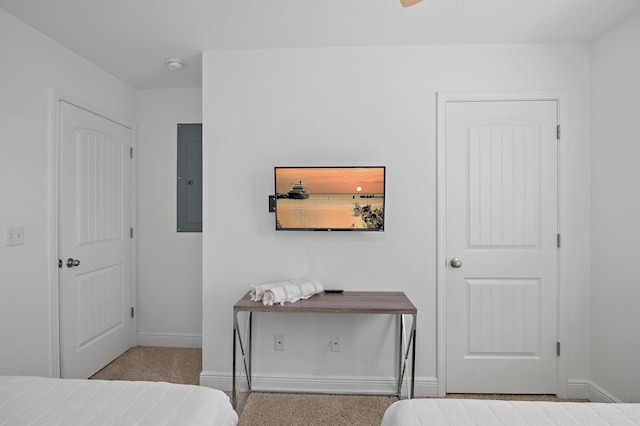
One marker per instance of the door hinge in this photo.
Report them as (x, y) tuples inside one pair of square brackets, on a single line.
[(130, 232), (558, 348), (558, 240), (558, 132), (59, 263), (132, 312), (130, 152)]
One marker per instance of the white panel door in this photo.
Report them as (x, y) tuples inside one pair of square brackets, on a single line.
[(94, 221), (501, 246)]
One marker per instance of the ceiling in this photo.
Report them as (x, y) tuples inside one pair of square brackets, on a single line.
[(132, 38)]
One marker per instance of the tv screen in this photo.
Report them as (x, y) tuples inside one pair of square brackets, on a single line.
[(330, 198)]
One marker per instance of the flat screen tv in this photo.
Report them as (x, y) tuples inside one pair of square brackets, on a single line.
[(330, 198)]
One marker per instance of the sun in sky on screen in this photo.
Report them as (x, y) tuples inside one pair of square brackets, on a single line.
[(332, 180)]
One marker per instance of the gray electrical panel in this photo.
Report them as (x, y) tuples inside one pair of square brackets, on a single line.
[(189, 177)]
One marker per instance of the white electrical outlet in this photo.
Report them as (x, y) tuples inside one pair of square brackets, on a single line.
[(336, 344), (15, 235), (278, 342)]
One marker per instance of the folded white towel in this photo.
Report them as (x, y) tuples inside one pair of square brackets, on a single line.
[(291, 292), (257, 291)]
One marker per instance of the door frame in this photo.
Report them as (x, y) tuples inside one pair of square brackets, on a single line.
[(56, 96), (443, 98)]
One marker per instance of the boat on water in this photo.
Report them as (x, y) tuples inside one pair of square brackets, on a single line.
[(298, 192)]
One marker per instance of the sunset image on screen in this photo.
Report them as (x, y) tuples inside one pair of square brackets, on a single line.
[(332, 198), (332, 180)]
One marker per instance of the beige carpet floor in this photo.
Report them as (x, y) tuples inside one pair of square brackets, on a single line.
[(153, 364), (183, 365), (269, 409)]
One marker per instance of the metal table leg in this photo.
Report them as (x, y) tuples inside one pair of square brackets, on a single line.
[(233, 370), (413, 357), (400, 353), (245, 352), (404, 357)]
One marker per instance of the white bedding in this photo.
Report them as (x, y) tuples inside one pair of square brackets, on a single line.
[(459, 412), (43, 401)]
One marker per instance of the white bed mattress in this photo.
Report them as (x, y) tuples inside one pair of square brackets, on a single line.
[(43, 401), (422, 412)]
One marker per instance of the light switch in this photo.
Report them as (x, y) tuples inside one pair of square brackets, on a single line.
[(15, 235)]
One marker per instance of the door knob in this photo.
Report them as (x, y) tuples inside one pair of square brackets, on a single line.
[(72, 262), (455, 263)]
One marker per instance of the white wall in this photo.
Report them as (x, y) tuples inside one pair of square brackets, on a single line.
[(615, 293), (359, 106), (323, 106), (169, 262), (37, 64)]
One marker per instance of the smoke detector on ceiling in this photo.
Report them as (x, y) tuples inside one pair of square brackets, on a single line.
[(407, 3), (174, 64)]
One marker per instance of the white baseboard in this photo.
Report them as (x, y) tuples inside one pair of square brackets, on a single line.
[(214, 380), (586, 389), (577, 389), (169, 340), (424, 386), (599, 394)]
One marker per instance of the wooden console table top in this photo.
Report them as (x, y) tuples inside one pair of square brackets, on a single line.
[(352, 302)]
